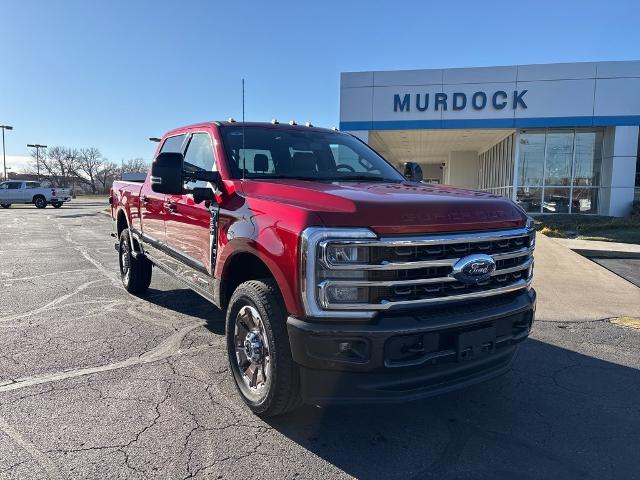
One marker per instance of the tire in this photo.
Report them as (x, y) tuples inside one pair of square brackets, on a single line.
[(135, 273), (5, 205), (56, 205), (39, 201), (276, 387)]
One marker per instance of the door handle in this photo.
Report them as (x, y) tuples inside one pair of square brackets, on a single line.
[(172, 207), (145, 199)]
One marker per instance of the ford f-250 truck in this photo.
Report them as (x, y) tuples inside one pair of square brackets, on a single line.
[(343, 281)]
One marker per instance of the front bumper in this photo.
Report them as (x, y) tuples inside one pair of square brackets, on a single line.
[(409, 355)]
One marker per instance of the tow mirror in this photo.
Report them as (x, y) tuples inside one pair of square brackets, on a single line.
[(167, 173), (413, 172)]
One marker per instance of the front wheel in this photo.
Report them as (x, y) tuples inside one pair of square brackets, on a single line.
[(135, 273), (39, 201), (258, 349), (5, 205), (57, 204)]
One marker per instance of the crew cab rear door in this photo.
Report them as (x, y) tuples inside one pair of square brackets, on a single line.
[(188, 224)]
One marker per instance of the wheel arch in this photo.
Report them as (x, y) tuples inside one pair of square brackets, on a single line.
[(122, 222), (241, 267)]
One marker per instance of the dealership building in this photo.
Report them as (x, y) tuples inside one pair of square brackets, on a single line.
[(557, 138)]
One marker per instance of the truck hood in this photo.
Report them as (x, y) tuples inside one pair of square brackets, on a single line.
[(392, 208)]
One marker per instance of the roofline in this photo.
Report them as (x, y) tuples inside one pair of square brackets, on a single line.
[(227, 123)]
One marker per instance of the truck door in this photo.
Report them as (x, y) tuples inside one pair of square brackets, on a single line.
[(189, 224), (28, 191), (153, 205), (15, 192)]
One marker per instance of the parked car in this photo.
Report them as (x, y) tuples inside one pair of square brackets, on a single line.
[(14, 191), (342, 280)]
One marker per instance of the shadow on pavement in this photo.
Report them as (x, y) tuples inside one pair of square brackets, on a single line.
[(187, 302), (557, 414)]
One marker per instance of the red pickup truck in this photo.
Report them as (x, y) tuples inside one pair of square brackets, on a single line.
[(342, 279)]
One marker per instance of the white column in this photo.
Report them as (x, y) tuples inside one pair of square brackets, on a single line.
[(620, 152)]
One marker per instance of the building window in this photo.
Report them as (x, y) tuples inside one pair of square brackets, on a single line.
[(559, 170)]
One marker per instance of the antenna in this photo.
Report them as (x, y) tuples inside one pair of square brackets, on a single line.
[(244, 153)]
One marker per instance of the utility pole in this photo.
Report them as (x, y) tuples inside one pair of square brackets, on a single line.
[(4, 155), (37, 146)]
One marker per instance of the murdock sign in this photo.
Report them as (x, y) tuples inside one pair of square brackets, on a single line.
[(497, 100)]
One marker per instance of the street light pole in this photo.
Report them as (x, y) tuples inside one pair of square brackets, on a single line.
[(37, 146), (4, 155)]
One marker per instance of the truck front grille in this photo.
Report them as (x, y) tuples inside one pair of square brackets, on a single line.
[(412, 271)]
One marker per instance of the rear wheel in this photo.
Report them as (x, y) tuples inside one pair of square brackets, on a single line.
[(5, 205), (258, 349), (57, 204), (135, 273), (39, 201)]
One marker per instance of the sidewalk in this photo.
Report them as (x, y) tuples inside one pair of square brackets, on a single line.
[(573, 288)]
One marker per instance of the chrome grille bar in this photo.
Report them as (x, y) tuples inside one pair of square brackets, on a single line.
[(519, 284), (419, 281)]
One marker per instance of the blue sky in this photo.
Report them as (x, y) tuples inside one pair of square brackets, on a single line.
[(110, 74)]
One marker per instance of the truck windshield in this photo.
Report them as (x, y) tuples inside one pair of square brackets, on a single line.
[(315, 155)]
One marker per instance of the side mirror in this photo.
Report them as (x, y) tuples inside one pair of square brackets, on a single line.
[(413, 172), (166, 173)]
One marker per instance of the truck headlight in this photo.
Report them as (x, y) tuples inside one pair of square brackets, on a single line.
[(346, 254), (328, 254)]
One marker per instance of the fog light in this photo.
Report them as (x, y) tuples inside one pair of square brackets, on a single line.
[(347, 295)]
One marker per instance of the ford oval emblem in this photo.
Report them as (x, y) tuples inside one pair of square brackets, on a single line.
[(473, 268)]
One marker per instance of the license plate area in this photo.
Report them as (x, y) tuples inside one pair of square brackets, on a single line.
[(475, 344)]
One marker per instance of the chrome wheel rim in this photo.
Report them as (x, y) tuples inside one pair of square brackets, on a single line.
[(252, 350), (124, 261)]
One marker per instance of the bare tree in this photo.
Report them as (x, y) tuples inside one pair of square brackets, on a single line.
[(105, 176), (135, 165), (90, 162), (54, 163)]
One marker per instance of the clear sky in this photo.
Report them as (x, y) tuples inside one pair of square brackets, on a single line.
[(112, 73)]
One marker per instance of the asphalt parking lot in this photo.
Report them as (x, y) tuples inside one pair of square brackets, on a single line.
[(96, 383)]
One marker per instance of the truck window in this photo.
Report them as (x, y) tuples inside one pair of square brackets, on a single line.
[(345, 156), (173, 144), (14, 185), (199, 156), (4, 186), (257, 161), (304, 154), (33, 185)]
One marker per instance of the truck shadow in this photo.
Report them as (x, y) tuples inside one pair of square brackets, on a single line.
[(186, 302), (557, 414)]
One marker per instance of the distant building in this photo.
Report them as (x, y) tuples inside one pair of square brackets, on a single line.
[(559, 138)]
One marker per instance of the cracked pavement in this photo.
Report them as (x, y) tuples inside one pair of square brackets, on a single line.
[(96, 383)]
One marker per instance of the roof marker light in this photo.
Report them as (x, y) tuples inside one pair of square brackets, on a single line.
[(292, 122), (232, 120), (275, 121), (308, 124)]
